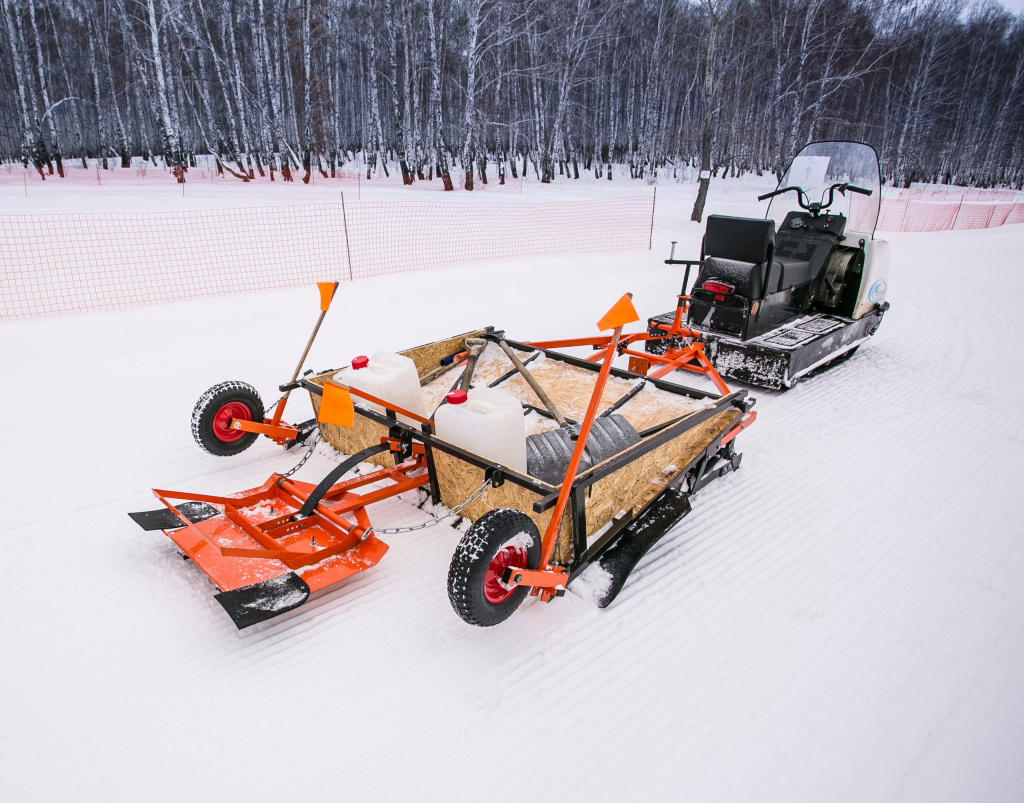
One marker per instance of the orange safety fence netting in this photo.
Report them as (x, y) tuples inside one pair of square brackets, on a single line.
[(65, 263)]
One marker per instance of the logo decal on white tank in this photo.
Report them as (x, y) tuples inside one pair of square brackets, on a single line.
[(876, 295)]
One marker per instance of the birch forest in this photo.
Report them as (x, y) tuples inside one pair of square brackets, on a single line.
[(469, 91)]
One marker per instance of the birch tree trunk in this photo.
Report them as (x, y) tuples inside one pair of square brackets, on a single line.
[(469, 120), (378, 128), (17, 59), (171, 144), (101, 122), (436, 145), (707, 136)]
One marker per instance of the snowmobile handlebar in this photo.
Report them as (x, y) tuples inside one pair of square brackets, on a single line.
[(815, 208), (767, 195)]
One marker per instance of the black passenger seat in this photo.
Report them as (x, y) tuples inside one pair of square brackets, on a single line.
[(737, 250)]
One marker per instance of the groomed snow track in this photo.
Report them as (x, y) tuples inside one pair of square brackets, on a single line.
[(840, 620)]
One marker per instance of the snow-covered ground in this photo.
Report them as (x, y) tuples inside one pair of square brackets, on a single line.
[(840, 620)]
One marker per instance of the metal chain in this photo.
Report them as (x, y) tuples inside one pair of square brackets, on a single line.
[(434, 519), (391, 531), (309, 454)]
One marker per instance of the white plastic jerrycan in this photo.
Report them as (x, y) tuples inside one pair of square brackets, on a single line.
[(486, 422), (388, 376)]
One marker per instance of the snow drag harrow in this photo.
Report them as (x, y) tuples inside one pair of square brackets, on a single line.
[(268, 549)]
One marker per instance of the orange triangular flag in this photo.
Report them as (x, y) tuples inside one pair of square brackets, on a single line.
[(620, 314), (336, 405), (326, 294)]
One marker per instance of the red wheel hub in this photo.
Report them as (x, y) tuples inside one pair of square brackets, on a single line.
[(222, 421), (495, 590)]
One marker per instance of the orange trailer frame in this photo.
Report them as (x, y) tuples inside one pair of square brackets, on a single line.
[(268, 549)]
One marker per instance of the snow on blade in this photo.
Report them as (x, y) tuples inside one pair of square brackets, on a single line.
[(592, 584)]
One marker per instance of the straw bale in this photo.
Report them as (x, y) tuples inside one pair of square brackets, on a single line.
[(653, 406), (536, 423), (458, 480), (429, 356), (436, 389), (569, 387), (493, 363), (631, 487), (636, 483)]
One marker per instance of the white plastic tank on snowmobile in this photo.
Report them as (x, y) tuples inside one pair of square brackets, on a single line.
[(874, 282), (486, 422), (388, 376)]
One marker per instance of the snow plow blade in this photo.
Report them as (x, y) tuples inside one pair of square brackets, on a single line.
[(268, 549), (259, 602), (637, 538), (165, 518)]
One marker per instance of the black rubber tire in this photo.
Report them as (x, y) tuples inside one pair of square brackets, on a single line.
[(212, 401), (474, 554)]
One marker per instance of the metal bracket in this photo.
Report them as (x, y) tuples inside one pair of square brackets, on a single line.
[(553, 581), (305, 429), (495, 476), (397, 436)]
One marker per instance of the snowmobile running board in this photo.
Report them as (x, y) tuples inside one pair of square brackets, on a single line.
[(779, 358), (269, 548)]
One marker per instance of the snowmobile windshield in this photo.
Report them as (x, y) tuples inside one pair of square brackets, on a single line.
[(822, 165)]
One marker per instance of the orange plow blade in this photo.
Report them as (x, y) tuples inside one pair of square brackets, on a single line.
[(269, 548)]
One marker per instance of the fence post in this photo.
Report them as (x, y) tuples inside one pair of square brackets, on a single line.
[(348, 248), (654, 201), (958, 208)]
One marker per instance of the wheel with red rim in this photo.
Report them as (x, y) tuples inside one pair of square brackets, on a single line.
[(217, 408), (500, 539)]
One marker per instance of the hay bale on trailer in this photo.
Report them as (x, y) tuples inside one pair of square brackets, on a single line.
[(642, 471)]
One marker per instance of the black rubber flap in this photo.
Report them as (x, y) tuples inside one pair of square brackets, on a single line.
[(164, 519), (625, 552), (262, 601)]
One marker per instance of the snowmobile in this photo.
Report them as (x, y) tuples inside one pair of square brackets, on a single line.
[(778, 298)]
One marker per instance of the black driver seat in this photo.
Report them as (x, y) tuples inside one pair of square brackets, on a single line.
[(738, 250)]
